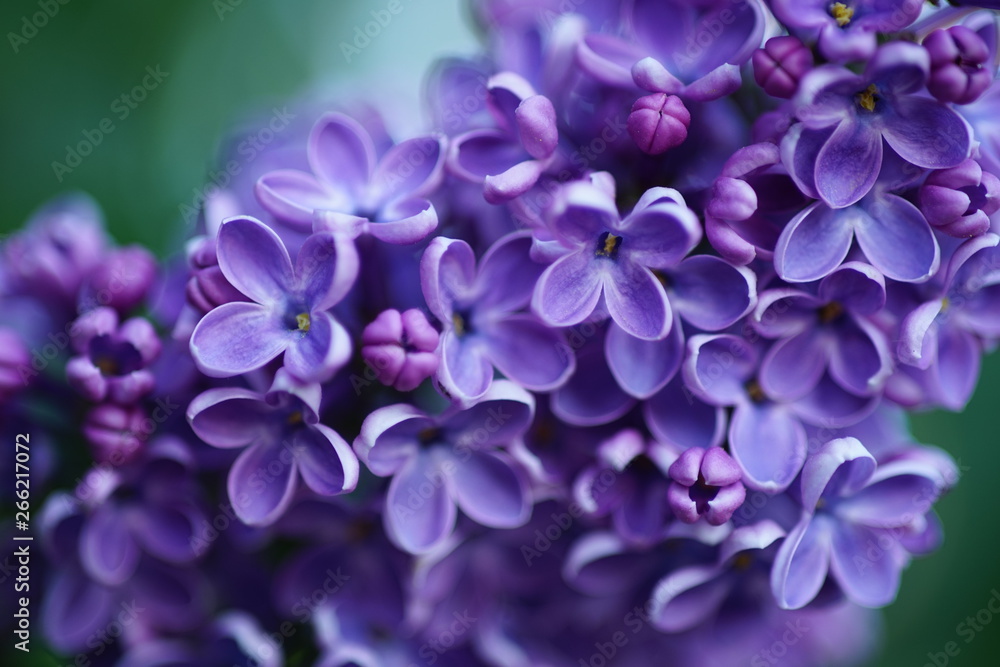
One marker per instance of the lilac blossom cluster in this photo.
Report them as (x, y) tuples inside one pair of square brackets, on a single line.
[(611, 367)]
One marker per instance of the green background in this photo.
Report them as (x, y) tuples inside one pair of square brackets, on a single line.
[(227, 58)]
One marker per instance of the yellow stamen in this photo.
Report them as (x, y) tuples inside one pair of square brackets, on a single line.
[(295, 418), (945, 302), (830, 312), (755, 392), (866, 100), (107, 366), (842, 13), (610, 243), (742, 562), (459, 324), (302, 319)]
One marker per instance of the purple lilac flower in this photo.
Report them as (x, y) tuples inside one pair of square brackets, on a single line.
[(693, 595), (629, 482), (825, 330), (835, 153), (283, 440), (611, 259), (893, 234), (849, 504), (679, 48), (288, 308), (152, 510), (705, 292), (846, 30), (706, 484), (401, 348), (455, 459), (959, 201), (750, 203), (482, 327), (766, 434), (352, 191), (508, 160), (114, 359), (944, 335), (63, 243)]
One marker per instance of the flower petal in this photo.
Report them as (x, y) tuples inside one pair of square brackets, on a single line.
[(926, 133), (254, 260), (814, 243), (868, 579), (419, 513), (262, 482), (530, 353), (848, 163), (236, 338), (711, 293), (768, 444), (326, 267), (314, 356), (568, 290), (793, 366), (676, 417), (410, 169), (897, 239), (341, 154), (643, 367), (801, 564), (292, 196), (637, 301), (325, 460), (107, 550), (490, 489)]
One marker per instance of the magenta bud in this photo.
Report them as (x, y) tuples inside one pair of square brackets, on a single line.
[(780, 65), (959, 71), (15, 364), (658, 122), (959, 201), (401, 348), (121, 281), (116, 432), (706, 483)]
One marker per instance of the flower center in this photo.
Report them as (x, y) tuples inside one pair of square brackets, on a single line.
[(429, 436), (303, 321), (743, 561), (830, 312), (841, 13), (755, 392), (114, 358), (868, 97), (607, 245)]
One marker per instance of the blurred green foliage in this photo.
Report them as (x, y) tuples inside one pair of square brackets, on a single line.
[(224, 58)]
